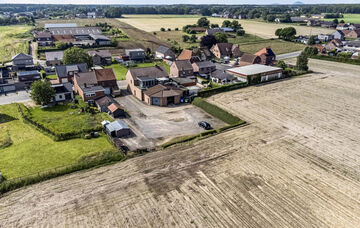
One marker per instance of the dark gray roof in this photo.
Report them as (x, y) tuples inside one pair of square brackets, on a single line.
[(55, 55), (222, 75), (99, 37), (116, 125), (105, 100), (21, 56), (92, 88), (64, 25), (76, 31), (155, 72), (62, 71), (27, 73), (63, 88), (183, 64), (101, 53), (162, 49), (88, 78), (204, 64)]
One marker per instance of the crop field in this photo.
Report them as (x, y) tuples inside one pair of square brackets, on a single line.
[(31, 151), (13, 41), (295, 165), (348, 18), (152, 23)]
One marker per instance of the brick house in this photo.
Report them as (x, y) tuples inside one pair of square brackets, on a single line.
[(65, 73), (86, 85), (101, 57), (188, 55), (221, 50), (106, 78), (44, 38), (204, 67), (181, 68), (267, 56), (163, 95), (353, 34)]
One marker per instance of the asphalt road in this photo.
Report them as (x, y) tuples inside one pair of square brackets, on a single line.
[(21, 96), (288, 55)]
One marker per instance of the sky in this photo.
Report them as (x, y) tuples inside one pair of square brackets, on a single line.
[(233, 2)]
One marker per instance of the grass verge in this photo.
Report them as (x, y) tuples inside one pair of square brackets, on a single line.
[(336, 59)]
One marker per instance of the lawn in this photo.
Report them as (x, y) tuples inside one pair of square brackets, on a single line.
[(265, 30), (348, 18), (13, 41), (56, 118), (175, 38), (120, 70), (32, 151), (278, 46)]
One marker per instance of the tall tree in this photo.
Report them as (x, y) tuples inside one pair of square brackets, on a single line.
[(302, 62), (42, 92), (221, 37), (203, 22), (207, 41), (76, 55), (226, 23)]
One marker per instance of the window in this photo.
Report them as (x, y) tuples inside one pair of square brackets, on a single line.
[(89, 94), (60, 96)]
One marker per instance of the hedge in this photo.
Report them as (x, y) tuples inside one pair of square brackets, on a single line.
[(216, 111), (336, 59), (225, 88), (87, 162)]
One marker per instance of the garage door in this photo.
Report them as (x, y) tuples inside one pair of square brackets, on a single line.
[(155, 101)]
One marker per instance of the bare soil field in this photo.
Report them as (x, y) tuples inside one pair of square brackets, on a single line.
[(152, 23), (295, 165)]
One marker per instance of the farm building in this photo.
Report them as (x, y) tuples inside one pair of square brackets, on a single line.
[(256, 73), (116, 128), (163, 52)]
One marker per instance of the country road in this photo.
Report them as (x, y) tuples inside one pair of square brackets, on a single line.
[(288, 55)]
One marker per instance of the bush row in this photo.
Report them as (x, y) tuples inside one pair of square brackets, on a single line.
[(336, 59), (216, 111), (26, 115), (83, 163), (225, 88)]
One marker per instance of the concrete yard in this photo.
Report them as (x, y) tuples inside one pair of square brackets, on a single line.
[(296, 164)]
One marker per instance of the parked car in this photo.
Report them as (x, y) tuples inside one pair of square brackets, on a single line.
[(205, 125)]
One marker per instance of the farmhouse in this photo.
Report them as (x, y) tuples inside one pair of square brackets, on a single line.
[(221, 50), (181, 68), (204, 67), (101, 57), (135, 54), (163, 52), (325, 37), (116, 128), (43, 38), (249, 59), (257, 73), (338, 34), (54, 58), (267, 56), (65, 73), (21, 61)]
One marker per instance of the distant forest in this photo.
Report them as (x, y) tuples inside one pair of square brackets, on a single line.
[(266, 12)]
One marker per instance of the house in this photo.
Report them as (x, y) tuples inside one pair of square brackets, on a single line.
[(256, 73), (163, 52), (139, 80), (116, 110), (85, 79), (101, 57), (333, 44), (163, 95), (91, 15), (298, 19), (338, 34), (213, 31), (100, 39), (328, 24), (267, 56), (91, 92), (135, 54), (203, 53), (222, 77), (181, 68), (28, 76), (342, 26), (65, 73), (63, 92), (21, 61), (353, 34), (204, 67), (321, 48), (325, 37), (106, 78), (188, 55), (352, 46), (103, 103), (116, 128), (54, 58), (221, 50), (196, 29), (249, 59), (313, 23), (43, 38)]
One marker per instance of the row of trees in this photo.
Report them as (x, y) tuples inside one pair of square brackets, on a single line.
[(286, 33), (14, 20)]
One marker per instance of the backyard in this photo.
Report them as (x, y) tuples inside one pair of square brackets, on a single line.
[(31, 151), (120, 70), (13, 41)]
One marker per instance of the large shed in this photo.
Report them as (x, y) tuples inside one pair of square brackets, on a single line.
[(257, 73)]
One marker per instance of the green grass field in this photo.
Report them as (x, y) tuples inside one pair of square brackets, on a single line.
[(348, 18), (120, 70), (278, 46), (32, 151), (13, 40)]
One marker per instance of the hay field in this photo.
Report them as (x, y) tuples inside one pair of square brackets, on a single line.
[(13, 41), (295, 165), (152, 23)]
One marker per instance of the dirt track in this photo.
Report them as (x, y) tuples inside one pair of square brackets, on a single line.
[(295, 165)]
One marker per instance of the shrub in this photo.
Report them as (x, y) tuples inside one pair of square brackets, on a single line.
[(176, 29), (169, 29), (154, 33), (216, 111), (209, 132), (162, 29), (178, 140), (225, 88)]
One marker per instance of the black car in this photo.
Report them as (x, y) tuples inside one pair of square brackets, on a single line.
[(205, 125)]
